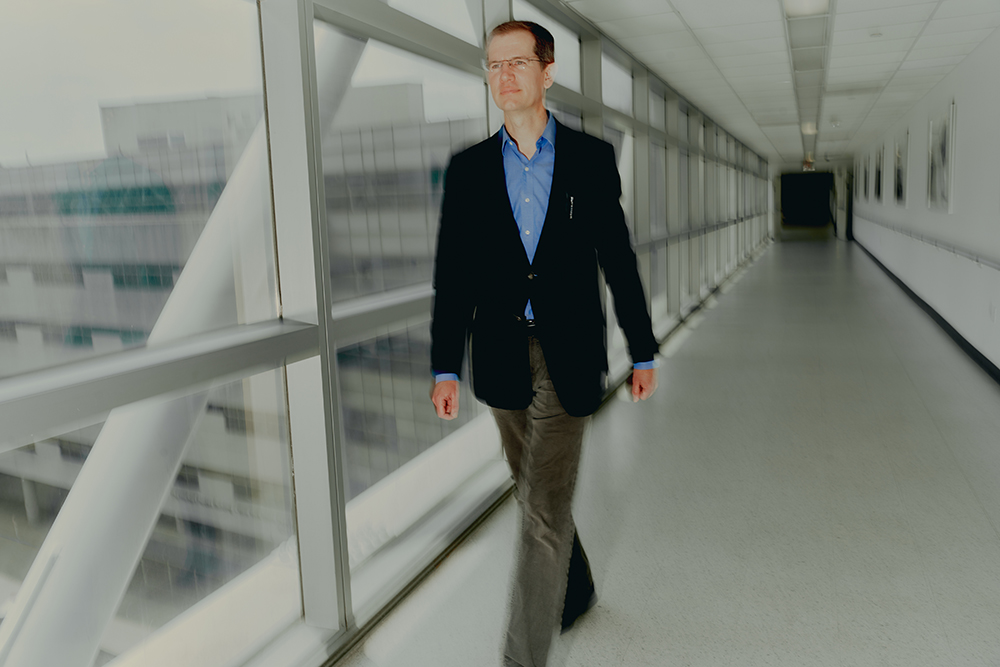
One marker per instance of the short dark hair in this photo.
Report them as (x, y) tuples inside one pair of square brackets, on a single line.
[(545, 43)]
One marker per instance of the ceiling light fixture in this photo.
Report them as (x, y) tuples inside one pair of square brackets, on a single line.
[(809, 128), (796, 8), (875, 33)]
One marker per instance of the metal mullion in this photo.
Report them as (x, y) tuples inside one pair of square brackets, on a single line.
[(377, 20), (564, 95), (53, 401), (324, 291), (620, 120), (353, 319)]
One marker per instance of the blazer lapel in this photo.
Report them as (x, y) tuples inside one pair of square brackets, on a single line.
[(558, 209)]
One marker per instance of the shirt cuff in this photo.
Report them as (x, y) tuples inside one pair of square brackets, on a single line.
[(646, 365), (442, 377)]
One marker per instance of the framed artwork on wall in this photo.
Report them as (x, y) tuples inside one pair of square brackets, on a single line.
[(901, 155), (941, 159), (878, 172)]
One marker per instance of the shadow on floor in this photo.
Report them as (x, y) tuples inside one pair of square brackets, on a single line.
[(792, 234)]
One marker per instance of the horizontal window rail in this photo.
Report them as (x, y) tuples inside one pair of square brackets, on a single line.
[(983, 261), (695, 232), (49, 402), (360, 318)]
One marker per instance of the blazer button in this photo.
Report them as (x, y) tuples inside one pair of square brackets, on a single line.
[(531, 276)]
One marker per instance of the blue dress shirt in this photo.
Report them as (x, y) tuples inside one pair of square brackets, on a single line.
[(529, 184)]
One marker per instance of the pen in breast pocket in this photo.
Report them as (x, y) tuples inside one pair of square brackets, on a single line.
[(570, 208)]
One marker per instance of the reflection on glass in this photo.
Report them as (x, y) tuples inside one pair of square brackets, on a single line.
[(567, 44), (616, 85), (454, 17), (102, 203), (657, 110), (229, 510), (624, 145), (384, 157), (685, 275), (568, 116), (657, 191), (658, 282), (388, 418)]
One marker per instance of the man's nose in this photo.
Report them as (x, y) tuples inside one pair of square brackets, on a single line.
[(506, 70)]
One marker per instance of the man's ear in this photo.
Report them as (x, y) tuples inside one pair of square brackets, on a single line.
[(550, 74)]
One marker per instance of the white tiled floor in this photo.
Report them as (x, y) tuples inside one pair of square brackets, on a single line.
[(817, 482)]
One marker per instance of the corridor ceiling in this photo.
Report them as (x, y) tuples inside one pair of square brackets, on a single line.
[(789, 77)]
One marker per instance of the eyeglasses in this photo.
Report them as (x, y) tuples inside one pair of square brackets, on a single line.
[(519, 64)]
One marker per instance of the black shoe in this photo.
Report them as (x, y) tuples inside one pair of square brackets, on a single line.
[(570, 615)]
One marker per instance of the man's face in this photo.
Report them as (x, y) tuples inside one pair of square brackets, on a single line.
[(512, 89)]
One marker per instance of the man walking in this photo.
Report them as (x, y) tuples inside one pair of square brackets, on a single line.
[(529, 215)]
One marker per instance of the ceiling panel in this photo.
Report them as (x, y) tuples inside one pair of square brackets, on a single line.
[(954, 8), (701, 14), (910, 13), (962, 23), (601, 10), (657, 42), (872, 46), (657, 24), (773, 71), (923, 74), (931, 62), (871, 59), (846, 6), (673, 55), (769, 58), (736, 48), (897, 31), (942, 51), (731, 59), (756, 31), (964, 37)]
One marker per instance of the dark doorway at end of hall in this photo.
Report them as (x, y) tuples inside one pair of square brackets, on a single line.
[(808, 207)]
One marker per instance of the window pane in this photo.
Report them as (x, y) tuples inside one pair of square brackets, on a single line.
[(105, 201), (657, 191), (657, 110), (400, 460), (387, 414), (624, 153), (568, 116), (616, 85), (384, 157), (658, 286), (229, 511), (567, 44), (452, 16)]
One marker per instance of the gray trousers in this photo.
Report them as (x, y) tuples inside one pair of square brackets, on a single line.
[(542, 445)]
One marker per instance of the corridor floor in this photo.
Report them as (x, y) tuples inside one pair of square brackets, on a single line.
[(816, 482)]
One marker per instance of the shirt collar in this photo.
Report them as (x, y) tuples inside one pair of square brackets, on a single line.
[(548, 134)]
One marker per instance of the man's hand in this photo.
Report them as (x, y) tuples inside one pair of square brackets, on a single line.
[(643, 383), (445, 398)]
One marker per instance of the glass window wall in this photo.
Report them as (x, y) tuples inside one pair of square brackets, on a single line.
[(616, 84), (118, 165), (385, 151), (456, 17), (567, 43), (227, 514)]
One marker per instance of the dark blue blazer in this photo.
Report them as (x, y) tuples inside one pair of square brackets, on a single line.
[(483, 279)]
